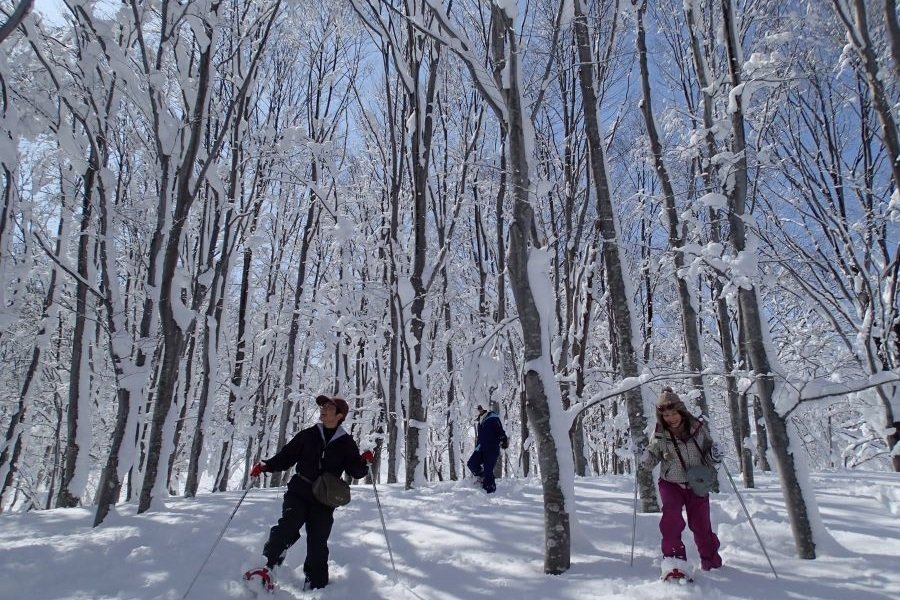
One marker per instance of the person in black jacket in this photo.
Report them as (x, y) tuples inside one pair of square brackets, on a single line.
[(490, 437), (325, 446)]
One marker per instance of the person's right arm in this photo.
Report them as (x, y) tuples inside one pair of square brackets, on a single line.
[(654, 452), (285, 458)]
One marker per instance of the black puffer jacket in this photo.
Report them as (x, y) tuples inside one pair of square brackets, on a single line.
[(305, 451)]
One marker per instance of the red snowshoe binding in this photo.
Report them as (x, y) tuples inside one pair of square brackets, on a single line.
[(265, 575), (676, 576)]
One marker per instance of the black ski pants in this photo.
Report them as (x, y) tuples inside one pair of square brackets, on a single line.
[(318, 518), (481, 463)]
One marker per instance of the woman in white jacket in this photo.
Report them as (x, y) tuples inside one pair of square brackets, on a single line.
[(682, 441)]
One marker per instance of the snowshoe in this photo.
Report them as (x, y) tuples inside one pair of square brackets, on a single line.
[(674, 570), (676, 576), (265, 575)]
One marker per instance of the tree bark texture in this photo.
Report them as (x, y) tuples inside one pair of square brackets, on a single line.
[(752, 321), (620, 303)]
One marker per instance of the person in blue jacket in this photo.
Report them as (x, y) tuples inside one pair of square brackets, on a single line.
[(490, 437)]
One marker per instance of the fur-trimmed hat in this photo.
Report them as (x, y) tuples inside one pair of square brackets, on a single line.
[(340, 405), (669, 400)]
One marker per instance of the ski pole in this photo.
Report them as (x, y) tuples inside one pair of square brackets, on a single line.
[(383, 526), (218, 539), (747, 512), (634, 510)]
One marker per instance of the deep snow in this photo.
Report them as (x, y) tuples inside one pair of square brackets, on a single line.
[(451, 541)]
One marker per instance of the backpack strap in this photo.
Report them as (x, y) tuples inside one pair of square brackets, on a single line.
[(677, 451)]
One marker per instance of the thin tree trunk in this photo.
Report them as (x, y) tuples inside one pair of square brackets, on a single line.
[(620, 302), (128, 376), (722, 313), (893, 30), (237, 373), (21, 10), (310, 229), (420, 148), (77, 414), (173, 335), (522, 245), (12, 443), (858, 34), (686, 299), (776, 424)]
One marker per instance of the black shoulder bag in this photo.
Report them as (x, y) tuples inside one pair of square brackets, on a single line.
[(700, 478), (328, 488)]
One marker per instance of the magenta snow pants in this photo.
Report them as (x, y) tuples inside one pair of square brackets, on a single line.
[(675, 497)]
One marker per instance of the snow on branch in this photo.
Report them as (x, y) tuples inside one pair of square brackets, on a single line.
[(818, 390), (459, 43), (625, 385)]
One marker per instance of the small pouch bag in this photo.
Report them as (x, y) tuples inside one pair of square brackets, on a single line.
[(331, 490), (701, 479), (328, 488)]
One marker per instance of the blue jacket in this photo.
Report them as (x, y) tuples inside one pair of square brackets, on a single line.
[(490, 433)]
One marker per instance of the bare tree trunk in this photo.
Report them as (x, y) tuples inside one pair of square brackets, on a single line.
[(310, 229), (12, 443), (569, 274), (76, 415), (858, 34), (620, 302), (751, 318), (210, 330), (451, 368), (522, 243), (22, 9), (237, 373), (893, 30), (744, 454), (173, 335), (722, 313), (392, 397), (422, 110), (762, 437), (580, 349), (686, 300), (122, 349)]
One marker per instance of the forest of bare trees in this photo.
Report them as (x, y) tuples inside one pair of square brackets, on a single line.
[(214, 210)]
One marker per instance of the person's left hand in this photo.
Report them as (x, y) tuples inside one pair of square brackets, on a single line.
[(716, 454), (368, 457)]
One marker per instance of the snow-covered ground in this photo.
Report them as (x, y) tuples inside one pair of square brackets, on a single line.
[(450, 541)]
